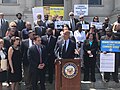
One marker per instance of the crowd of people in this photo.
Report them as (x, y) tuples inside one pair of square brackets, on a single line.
[(31, 52)]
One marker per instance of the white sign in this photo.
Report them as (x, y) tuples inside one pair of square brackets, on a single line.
[(81, 9), (37, 10), (98, 25), (59, 24), (85, 26), (107, 62)]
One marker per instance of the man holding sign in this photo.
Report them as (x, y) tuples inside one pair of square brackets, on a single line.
[(109, 36)]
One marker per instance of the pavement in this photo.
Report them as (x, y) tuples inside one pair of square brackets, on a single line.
[(87, 85)]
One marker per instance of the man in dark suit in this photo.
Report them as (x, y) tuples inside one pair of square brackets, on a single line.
[(65, 48), (49, 41), (7, 39), (39, 18), (20, 23), (82, 21), (3, 25), (37, 59), (25, 31), (39, 28), (110, 36), (25, 45), (73, 21)]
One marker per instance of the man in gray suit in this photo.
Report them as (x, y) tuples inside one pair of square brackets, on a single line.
[(3, 25)]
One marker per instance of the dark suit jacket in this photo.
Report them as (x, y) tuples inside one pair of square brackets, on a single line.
[(93, 48), (4, 27), (69, 54), (76, 21), (24, 33), (24, 49), (7, 42), (49, 46), (40, 30), (20, 25), (34, 57)]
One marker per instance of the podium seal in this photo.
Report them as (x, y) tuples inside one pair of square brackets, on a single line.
[(69, 70)]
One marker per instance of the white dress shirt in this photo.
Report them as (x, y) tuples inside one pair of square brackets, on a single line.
[(79, 36), (2, 55), (30, 43)]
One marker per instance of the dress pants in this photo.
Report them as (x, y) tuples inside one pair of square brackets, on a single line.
[(89, 69), (38, 75), (27, 77), (50, 68)]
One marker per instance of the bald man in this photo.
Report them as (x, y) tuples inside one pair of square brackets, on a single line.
[(65, 48)]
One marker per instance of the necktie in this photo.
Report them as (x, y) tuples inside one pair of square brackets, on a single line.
[(40, 53), (73, 25), (64, 47), (49, 39)]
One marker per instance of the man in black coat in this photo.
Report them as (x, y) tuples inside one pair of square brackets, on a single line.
[(25, 31), (7, 39), (20, 23), (65, 48), (49, 41), (73, 21), (25, 45), (37, 59), (39, 28), (3, 25)]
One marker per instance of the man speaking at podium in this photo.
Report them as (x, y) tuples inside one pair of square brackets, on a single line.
[(65, 47)]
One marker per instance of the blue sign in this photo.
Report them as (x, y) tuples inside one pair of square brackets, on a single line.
[(110, 45)]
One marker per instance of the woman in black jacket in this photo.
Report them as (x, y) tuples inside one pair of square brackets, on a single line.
[(90, 47)]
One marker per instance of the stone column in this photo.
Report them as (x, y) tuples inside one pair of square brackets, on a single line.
[(75, 2), (38, 2), (84, 1), (67, 8), (117, 4), (30, 4)]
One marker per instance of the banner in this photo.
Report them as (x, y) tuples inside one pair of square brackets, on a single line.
[(110, 45), (107, 62), (81, 9), (37, 10), (57, 11), (46, 10), (59, 24)]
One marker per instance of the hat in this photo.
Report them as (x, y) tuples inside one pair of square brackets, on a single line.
[(71, 14), (108, 29), (81, 16), (30, 31)]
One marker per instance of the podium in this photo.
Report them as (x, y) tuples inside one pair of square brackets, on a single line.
[(67, 74)]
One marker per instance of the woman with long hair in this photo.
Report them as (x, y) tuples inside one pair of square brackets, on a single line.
[(90, 47)]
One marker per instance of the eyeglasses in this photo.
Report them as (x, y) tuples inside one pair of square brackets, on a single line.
[(72, 15)]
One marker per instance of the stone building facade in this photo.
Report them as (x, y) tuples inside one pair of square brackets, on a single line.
[(105, 8)]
